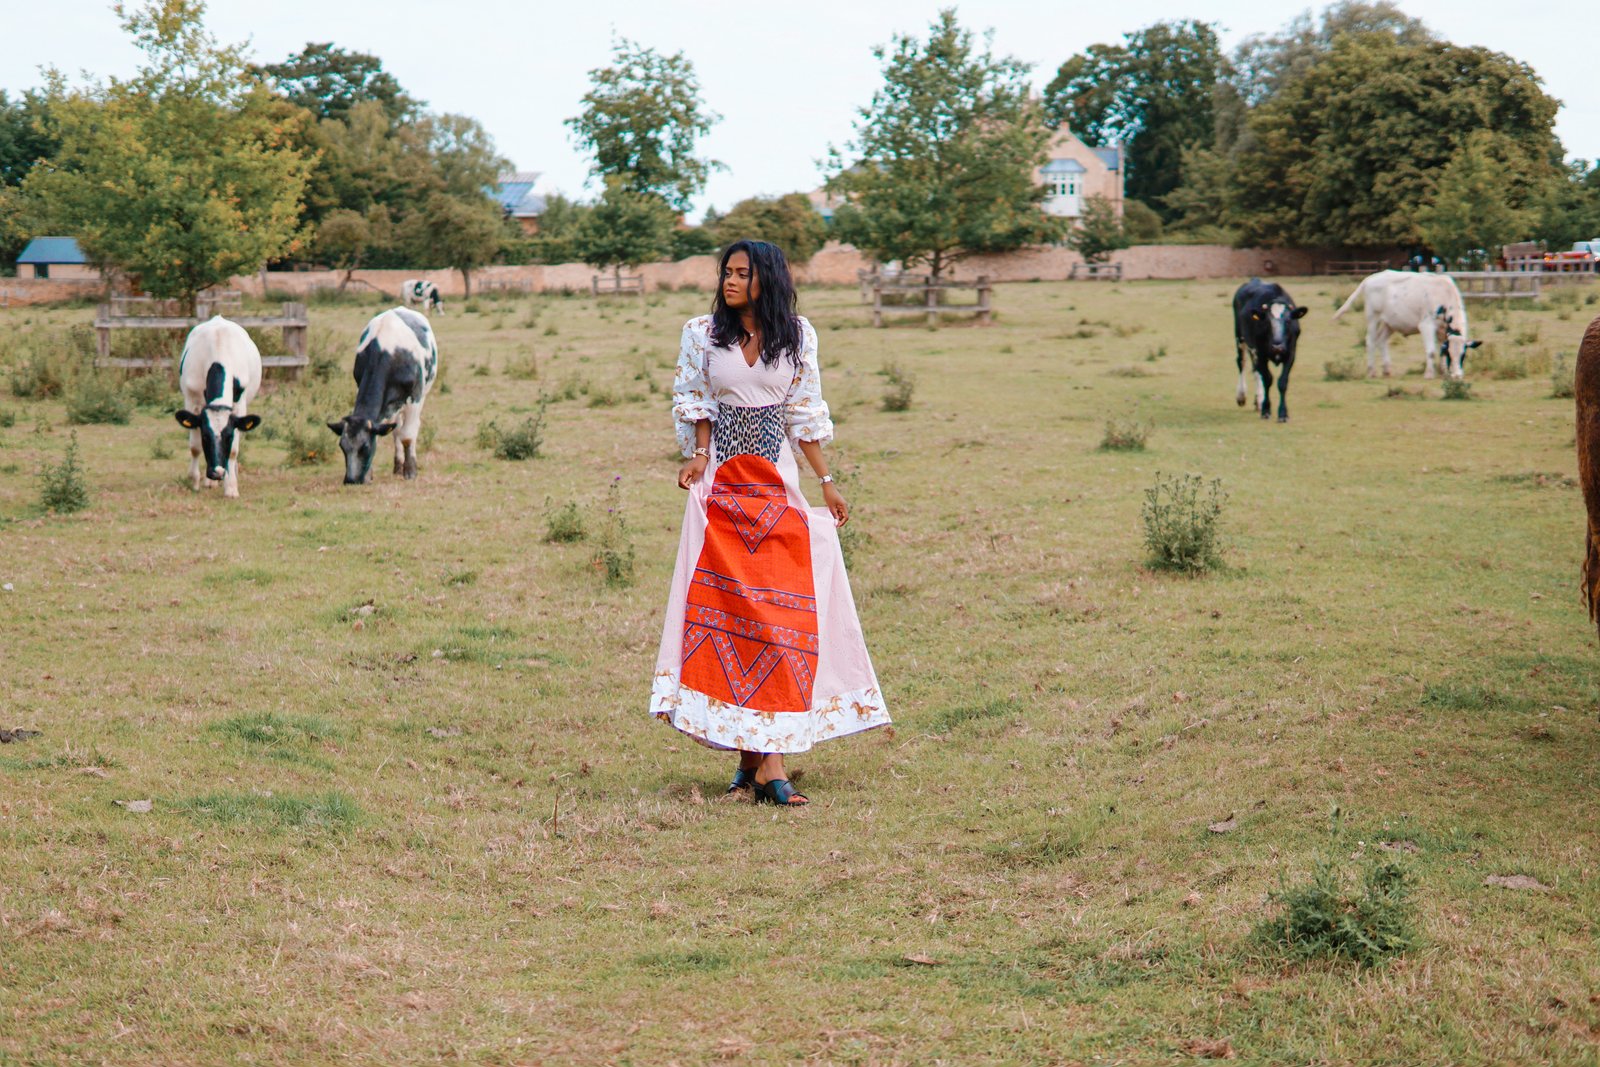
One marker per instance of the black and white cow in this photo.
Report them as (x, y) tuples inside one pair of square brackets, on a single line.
[(416, 292), (219, 372), (397, 360), (1266, 328)]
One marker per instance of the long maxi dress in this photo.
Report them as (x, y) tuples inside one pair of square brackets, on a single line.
[(762, 649)]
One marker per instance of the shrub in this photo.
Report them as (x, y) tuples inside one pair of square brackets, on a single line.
[(525, 369), (152, 390), (96, 399), (518, 443), (564, 525), (603, 398), (8, 419), (41, 375), (1457, 389), (1125, 435), (1323, 917), (614, 556), (62, 487), (160, 447), (1561, 385), (1344, 369), (898, 387), (304, 446), (1181, 526)]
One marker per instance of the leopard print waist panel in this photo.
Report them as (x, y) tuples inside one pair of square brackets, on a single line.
[(741, 431)]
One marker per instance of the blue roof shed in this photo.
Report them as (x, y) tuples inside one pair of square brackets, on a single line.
[(52, 250)]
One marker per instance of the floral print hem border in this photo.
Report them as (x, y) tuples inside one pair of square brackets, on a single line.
[(718, 724)]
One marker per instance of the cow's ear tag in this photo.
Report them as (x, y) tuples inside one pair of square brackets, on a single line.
[(246, 424), (186, 419), (1255, 316), (384, 428)]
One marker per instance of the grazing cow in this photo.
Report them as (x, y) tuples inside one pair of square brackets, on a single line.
[(397, 360), (1586, 386), (219, 373), (414, 292), (1405, 303), (1266, 326)]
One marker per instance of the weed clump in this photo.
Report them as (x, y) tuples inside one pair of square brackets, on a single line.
[(62, 486), (613, 556), (1345, 369), (898, 387), (1125, 435), (1561, 381), (95, 400), (1325, 917), (517, 443), (564, 525), (1181, 523), (1456, 389)]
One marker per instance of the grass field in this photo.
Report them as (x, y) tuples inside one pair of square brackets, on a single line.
[(407, 804)]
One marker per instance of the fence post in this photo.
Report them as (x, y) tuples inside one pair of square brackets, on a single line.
[(984, 292), (877, 301), (930, 299)]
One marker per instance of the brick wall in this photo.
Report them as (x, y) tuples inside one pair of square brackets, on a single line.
[(20, 292)]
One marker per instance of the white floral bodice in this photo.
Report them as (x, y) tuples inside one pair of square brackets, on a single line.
[(709, 376)]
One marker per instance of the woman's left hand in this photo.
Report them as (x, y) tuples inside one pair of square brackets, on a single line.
[(836, 504)]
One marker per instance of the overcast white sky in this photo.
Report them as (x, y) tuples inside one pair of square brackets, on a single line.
[(786, 77)]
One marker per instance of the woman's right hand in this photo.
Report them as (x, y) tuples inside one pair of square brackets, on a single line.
[(691, 471)]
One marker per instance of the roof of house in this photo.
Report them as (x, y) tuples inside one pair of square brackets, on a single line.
[(516, 196), (1063, 166), (52, 250), (1111, 157)]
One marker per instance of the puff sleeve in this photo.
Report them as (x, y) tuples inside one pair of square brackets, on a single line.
[(691, 392), (805, 412)]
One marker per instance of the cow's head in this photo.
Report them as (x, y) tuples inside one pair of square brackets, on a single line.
[(217, 424), (1278, 324), (1453, 344), (359, 440)]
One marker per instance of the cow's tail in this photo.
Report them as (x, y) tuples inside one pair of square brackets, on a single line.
[(1350, 303)]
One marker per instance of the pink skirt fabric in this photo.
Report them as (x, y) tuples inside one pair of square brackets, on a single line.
[(843, 696)]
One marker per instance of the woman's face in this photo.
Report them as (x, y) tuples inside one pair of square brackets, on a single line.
[(740, 286)]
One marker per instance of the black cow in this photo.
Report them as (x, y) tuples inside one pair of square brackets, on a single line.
[(397, 360), (1266, 325)]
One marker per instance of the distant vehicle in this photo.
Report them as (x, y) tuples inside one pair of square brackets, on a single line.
[(1581, 256)]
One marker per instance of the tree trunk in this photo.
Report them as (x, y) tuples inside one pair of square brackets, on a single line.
[(616, 273), (466, 283)]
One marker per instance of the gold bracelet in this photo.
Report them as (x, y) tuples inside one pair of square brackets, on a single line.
[(702, 451)]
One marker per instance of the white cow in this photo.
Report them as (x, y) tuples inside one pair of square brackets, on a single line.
[(416, 292), (219, 373), (1405, 303)]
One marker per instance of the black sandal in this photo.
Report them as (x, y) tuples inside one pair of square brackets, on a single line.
[(743, 778), (779, 791)]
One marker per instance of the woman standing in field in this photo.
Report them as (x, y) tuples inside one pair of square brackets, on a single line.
[(761, 652)]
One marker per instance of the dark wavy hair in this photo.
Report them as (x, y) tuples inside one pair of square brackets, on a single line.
[(775, 306)]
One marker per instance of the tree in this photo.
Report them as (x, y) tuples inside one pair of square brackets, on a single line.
[(624, 229), (329, 81), (1568, 209), (945, 155), (462, 153), (24, 135), (182, 175), (1155, 93), (1141, 223), (1099, 232), (1264, 65), (345, 238), (1469, 212), (450, 231), (790, 222), (1349, 152), (641, 118), (556, 241)]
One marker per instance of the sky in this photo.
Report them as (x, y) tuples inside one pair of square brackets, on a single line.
[(787, 79)]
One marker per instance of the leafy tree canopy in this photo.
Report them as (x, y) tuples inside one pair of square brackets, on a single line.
[(790, 222), (329, 81)]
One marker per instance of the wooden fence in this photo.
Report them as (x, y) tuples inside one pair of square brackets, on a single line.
[(932, 303), (1497, 284), (601, 285), (146, 313), (1094, 272)]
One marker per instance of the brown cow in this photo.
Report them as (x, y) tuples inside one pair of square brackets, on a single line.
[(1586, 384)]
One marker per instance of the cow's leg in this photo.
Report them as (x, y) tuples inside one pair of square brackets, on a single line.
[(399, 440), (1383, 340), (230, 477), (406, 436), (1374, 340), (1264, 384), (1239, 351), (1429, 346), (196, 472), (1283, 391)]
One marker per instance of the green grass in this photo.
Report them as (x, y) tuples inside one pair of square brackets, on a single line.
[(361, 851)]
